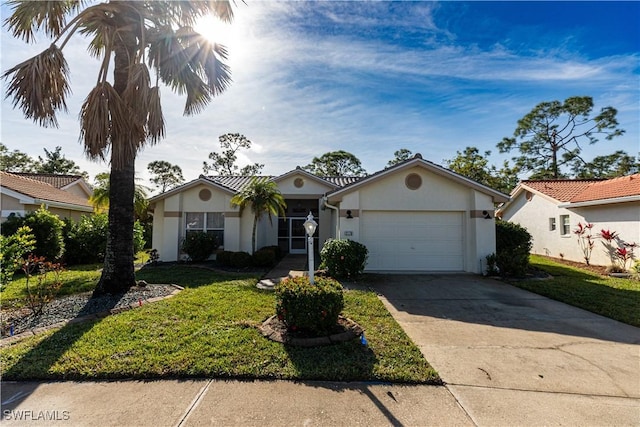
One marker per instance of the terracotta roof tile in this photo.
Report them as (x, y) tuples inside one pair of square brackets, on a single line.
[(612, 188), (562, 190), (56, 180), (39, 190)]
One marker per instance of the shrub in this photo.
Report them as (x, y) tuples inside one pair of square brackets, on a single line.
[(199, 245), (47, 229), (492, 265), (86, 240), (224, 258), (45, 288), (240, 260), (304, 307), (12, 251), (276, 250), (265, 257), (513, 245), (344, 258)]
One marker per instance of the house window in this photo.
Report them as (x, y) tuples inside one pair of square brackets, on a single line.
[(209, 222), (565, 229), (552, 224)]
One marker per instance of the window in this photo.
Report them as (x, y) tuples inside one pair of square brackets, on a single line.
[(566, 226), (552, 224), (209, 222)]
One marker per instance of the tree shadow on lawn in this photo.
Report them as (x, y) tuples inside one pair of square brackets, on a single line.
[(188, 276)]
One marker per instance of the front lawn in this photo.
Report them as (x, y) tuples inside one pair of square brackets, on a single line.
[(612, 297), (210, 330)]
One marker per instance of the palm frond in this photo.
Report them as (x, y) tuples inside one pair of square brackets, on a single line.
[(95, 121), (155, 121), (136, 94), (99, 21), (28, 16), (39, 86)]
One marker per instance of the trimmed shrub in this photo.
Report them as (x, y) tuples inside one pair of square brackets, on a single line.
[(86, 240), (12, 251), (199, 245), (276, 250), (344, 258), (240, 260), (224, 258), (47, 229), (308, 308), (265, 257), (513, 245)]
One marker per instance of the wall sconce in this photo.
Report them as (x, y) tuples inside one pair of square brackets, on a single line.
[(349, 216), (486, 215)]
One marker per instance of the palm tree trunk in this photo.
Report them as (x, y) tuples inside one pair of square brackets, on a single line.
[(118, 273), (253, 235)]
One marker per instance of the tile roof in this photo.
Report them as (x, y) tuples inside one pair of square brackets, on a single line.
[(236, 183), (562, 190), (56, 180), (623, 186), (39, 190)]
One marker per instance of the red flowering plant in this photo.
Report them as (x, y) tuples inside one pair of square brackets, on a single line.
[(610, 239), (625, 254), (585, 240)]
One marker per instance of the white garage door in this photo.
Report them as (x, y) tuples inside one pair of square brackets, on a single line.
[(413, 241)]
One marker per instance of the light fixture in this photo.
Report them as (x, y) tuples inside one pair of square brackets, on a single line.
[(310, 226), (349, 216)]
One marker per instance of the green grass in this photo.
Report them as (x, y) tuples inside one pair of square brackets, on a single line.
[(616, 298), (210, 330)]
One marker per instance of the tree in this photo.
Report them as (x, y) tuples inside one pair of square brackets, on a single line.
[(165, 175), (473, 165), (225, 163), (16, 161), (401, 155), (118, 118), (610, 166), (56, 162), (551, 135), (265, 198), (102, 192), (336, 163)]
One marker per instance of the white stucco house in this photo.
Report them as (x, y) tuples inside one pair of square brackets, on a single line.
[(413, 217), (552, 209)]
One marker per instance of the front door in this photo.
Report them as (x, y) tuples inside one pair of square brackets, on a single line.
[(292, 237)]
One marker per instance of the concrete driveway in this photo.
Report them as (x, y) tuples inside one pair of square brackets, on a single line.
[(511, 357)]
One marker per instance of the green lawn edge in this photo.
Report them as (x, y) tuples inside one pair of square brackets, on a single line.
[(210, 330), (615, 298)]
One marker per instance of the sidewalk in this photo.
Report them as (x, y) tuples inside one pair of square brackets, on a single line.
[(289, 266), (229, 403)]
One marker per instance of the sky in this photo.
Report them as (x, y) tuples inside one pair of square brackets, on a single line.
[(373, 77)]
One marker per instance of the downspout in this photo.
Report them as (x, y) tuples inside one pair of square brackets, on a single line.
[(326, 203)]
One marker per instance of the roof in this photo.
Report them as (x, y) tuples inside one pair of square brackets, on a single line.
[(57, 180), (625, 186), (41, 191), (432, 167), (562, 190), (237, 183)]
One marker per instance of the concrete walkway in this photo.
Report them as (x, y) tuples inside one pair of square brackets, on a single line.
[(289, 266), (509, 358)]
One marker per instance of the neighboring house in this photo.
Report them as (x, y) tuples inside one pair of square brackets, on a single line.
[(67, 197), (414, 216), (552, 209)]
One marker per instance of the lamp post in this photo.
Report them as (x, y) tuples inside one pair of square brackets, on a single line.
[(310, 226)]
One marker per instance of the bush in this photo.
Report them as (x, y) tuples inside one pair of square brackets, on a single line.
[(240, 260), (344, 258), (276, 250), (86, 240), (265, 257), (47, 229), (224, 258), (304, 307), (513, 245), (199, 245), (12, 251)]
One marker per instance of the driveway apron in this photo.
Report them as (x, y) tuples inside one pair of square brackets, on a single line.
[(511, 357)]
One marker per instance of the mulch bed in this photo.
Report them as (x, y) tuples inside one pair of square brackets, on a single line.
[(276, 330), (598, 269), (80, 306)]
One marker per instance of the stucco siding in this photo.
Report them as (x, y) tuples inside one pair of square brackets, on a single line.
[(310, 187)]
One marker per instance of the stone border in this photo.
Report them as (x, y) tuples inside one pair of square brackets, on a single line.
[(353, 331), (5, 342)]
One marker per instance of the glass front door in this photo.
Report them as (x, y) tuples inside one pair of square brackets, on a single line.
[(292, 237)]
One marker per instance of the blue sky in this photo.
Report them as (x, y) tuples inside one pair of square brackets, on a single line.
[(373, 77)]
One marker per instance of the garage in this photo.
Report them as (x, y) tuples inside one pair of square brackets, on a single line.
[(413, 241)]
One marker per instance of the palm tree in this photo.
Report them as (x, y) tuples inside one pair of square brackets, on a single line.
[(118, 119), (264, 197), (101, 192)]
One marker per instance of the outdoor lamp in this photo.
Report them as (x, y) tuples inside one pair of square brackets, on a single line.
[(310, 226)]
